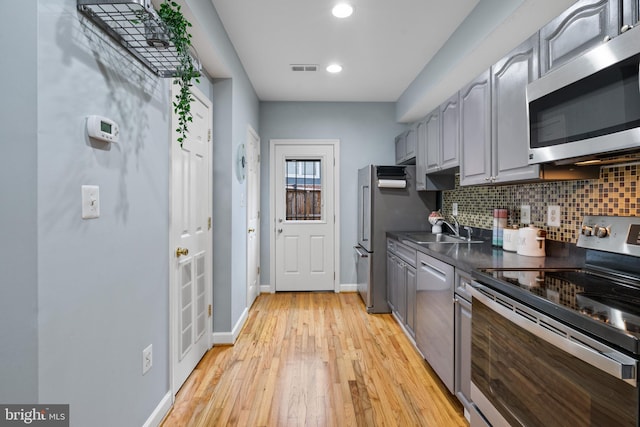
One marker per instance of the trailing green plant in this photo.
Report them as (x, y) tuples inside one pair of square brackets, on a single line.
[(178, 27)]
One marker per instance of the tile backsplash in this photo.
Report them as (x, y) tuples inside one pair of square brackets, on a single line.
[(614, 193)]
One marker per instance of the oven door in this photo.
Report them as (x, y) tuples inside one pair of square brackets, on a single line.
[(529, 370)]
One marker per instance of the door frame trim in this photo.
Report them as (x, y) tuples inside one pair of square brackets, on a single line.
[(173, 304), (336, 205), (251, 130)]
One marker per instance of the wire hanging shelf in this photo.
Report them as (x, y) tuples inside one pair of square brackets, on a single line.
[(136, 26)]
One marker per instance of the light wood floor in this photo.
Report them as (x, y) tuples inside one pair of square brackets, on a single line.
[(315, 359)]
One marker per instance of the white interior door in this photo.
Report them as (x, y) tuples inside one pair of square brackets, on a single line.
[(253, 215), (191, 274), (304, 217)]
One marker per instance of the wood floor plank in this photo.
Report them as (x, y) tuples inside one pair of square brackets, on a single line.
[(315, 359)]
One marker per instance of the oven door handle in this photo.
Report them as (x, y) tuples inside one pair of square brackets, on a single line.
[(612, 362)]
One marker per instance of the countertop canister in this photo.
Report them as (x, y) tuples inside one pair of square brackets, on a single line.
[(510, 238)]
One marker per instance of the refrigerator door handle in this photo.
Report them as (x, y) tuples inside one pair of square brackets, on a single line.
[(360, 253)]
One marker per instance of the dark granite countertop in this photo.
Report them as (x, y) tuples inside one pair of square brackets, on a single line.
[(471, 256)]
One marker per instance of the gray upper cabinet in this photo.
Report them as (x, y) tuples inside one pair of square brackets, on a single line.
[(443, 136), (580, 28), (475, 131), (410, 152), (406, 147), (433, 140), (509, 127), (449, 133), (421, 155)]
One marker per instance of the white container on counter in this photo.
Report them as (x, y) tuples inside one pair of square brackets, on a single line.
[(531, 241), (510, 238)]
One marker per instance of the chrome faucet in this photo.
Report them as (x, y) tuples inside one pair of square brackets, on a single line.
[(455, 228), (469, 232)]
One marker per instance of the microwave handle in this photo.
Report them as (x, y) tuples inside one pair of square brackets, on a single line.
[(620, 367)]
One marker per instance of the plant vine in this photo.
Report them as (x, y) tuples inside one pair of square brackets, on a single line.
[(186, 71)]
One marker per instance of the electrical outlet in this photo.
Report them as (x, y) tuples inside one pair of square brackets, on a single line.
[(525, 214), (553, 216), (147, 359), (454, 209)]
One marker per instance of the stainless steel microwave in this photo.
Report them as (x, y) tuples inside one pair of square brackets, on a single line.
[(589, 107)]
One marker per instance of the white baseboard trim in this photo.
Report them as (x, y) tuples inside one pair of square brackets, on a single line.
[(159, 413), (343, 287), (226, 338), (348, 287), (266, 289)]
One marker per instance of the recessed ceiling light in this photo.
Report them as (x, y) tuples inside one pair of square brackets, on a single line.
[(342, 10), (334, 68)]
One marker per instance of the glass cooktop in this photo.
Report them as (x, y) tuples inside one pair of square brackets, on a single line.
[(603, 299)]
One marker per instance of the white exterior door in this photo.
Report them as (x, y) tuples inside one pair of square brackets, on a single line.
[(191, 274), (253, 215), (304, 217)]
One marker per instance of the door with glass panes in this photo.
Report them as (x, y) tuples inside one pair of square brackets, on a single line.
[(304, 217)]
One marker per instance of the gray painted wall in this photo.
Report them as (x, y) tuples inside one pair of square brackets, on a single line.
[(235, 106), (103, 284), (18, 198), (366, 132), (80, 298)]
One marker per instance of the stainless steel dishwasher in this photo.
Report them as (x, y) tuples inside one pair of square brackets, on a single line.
[(434, 315)]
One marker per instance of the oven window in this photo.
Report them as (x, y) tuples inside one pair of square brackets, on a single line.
[(533, 383), (603, 103)]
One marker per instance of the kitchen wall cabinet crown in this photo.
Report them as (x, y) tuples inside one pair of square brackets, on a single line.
[(581, 27)]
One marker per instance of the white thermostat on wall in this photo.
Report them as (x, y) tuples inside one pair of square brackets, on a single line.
[(102, 128)]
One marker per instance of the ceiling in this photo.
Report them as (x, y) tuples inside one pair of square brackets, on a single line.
[(414, 52), (381, 47)]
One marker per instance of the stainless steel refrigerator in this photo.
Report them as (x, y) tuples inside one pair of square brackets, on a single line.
[(387, 201)]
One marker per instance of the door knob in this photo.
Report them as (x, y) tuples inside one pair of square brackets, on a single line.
[(252, 230), (182, 251), (279, 230)]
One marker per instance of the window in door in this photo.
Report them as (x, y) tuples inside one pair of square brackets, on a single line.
[(303, 190)]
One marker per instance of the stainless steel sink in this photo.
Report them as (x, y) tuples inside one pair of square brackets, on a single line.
[(428, 238)]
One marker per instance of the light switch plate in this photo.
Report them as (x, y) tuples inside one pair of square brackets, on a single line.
[(525, 214), (454, 209), (90, 201), (553, 216)]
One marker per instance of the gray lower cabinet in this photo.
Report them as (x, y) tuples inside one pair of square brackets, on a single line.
[(509, 127), (462, 360), (581, 27), (401, 283)]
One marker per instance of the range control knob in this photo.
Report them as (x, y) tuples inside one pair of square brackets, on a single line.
[(586, 230), (601, 231)]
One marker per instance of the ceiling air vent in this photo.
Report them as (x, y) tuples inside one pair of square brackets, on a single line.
[(304, 67)]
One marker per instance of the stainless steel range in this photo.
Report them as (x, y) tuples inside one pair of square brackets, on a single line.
[(561, 346)]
